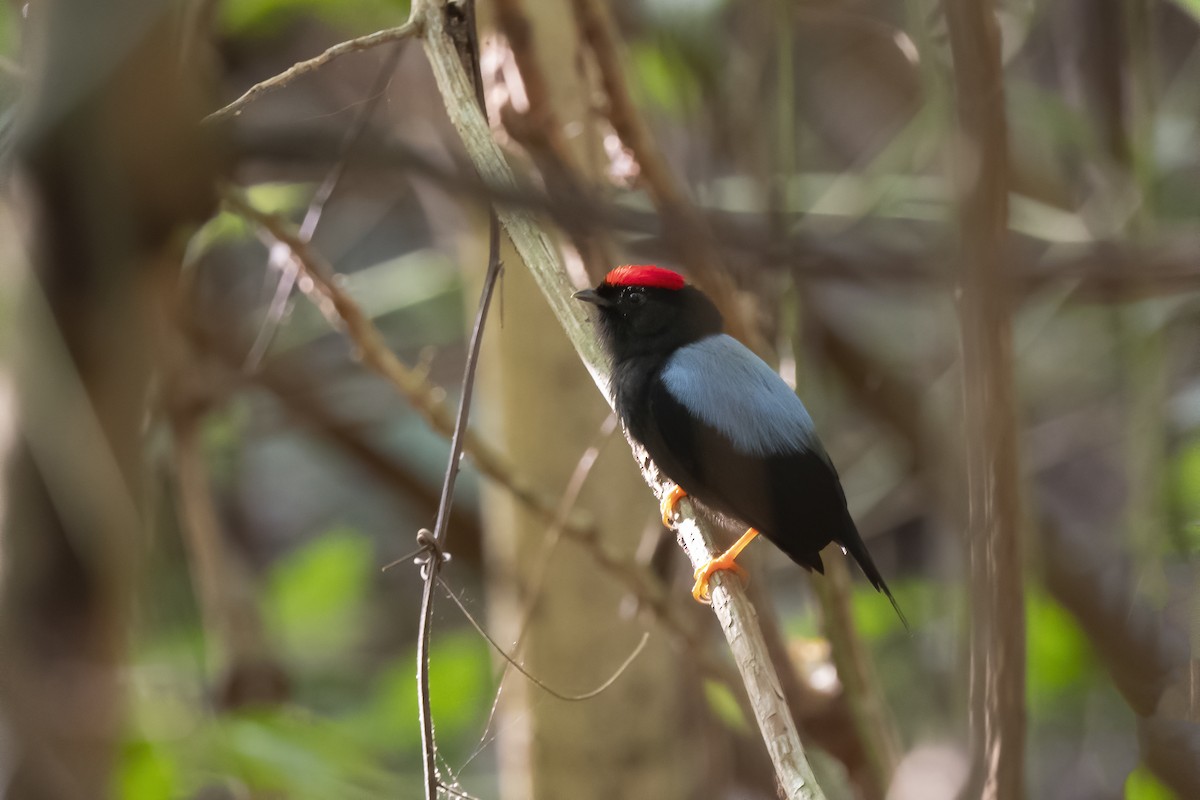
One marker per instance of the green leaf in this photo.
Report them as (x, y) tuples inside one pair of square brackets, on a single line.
[(296, 755), (227, 227), (663, 78), (1058, 655), (145, 772), (725, 706), (222, 229), (316, 596), (279, 198), (267, 16), (1190, 6), (460, 694), (1142, 785), (1186, 484), (874, 617), (6, 26)]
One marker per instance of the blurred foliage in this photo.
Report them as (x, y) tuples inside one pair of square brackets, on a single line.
[(228, 228), (316, 598), (1191, 6), (875, 618), (350, 730), (663, 79), (1060, 663), (343, 630), (261, 17), (146, 771), (460, 687), (1187, 494), (725, 707), (1142, 785), (8, 36)]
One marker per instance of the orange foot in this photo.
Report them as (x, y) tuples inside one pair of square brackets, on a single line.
[(725, 561), (667, 506)]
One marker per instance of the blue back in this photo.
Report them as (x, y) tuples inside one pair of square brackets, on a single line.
[(732, 390)]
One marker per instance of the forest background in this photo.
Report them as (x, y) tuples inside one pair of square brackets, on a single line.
[(235, 338)]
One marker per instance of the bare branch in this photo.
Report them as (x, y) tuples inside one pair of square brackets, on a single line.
[(316, 62), (569, 698), (278, 259), (372, 349)]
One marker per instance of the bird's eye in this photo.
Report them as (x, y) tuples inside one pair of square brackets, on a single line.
[(636, 299)]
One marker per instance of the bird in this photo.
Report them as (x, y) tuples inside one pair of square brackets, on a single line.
[(722, 425)]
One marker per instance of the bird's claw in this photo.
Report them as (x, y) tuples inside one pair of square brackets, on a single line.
[(669, 501), (705, 573)]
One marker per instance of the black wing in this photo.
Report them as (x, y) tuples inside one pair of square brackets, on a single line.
[(793, 499)]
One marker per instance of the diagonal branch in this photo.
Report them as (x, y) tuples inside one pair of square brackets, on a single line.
[(736, 614), (373, 351), (290, 74)]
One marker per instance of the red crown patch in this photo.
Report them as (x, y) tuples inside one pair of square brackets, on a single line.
[(646, 275)]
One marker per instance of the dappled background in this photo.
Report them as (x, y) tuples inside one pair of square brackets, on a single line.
[(223, 443)]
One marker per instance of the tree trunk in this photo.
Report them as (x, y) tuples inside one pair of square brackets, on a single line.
[(632, 740), (115, 163)]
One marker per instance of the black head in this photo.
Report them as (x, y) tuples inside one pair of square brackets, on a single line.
[(646, 310)]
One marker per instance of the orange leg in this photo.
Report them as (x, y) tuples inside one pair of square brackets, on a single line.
[(725, 561), (667, 506)]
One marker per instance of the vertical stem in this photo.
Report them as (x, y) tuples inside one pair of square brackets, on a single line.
[(468, 51), (1193, 678), (1141, 339), (433, 565), (997, 637), (115, 171), (871, 719)]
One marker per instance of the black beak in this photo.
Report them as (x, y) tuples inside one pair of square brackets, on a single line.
[(590, 296)]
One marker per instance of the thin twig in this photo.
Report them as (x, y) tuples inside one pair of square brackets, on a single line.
[(575, 484), (468, 53), (375, 39), (433, 564), (570, 496), (453, 792), (570, 698), (736, 614), (372, 350), (298, 397), (279, 260)]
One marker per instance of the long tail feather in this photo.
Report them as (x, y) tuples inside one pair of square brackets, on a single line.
[(883, 587), (857, 548)]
